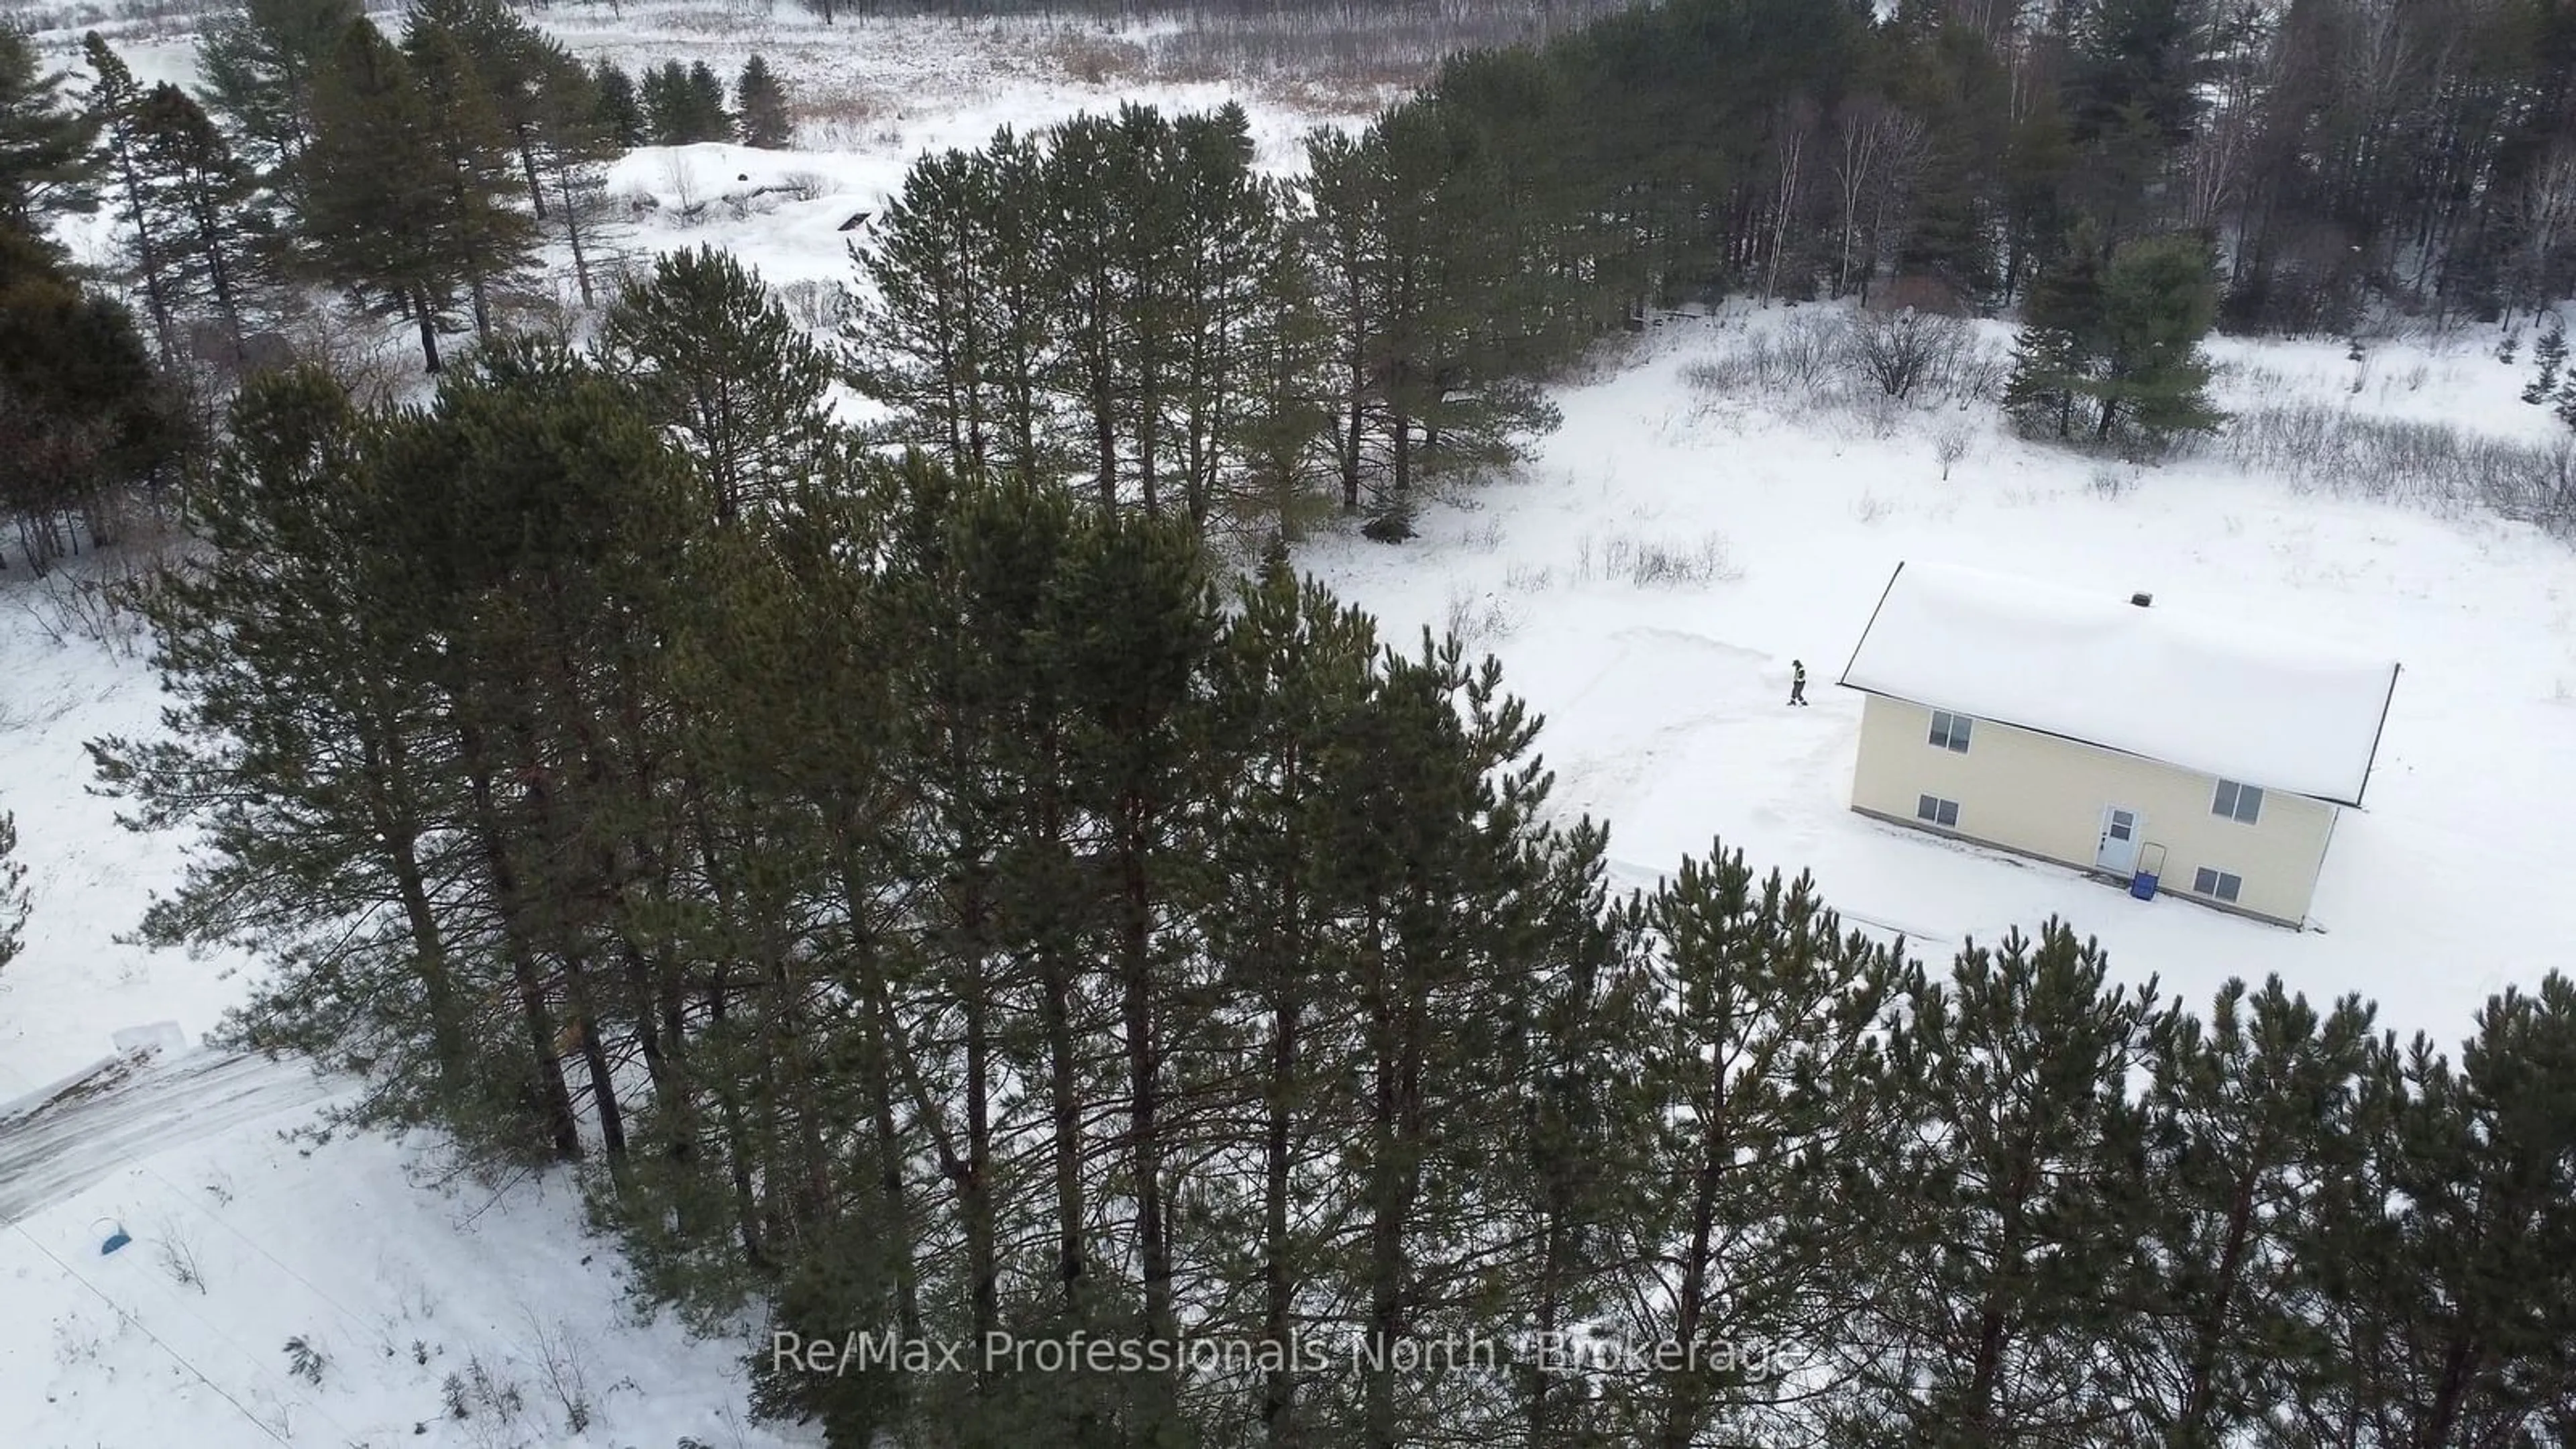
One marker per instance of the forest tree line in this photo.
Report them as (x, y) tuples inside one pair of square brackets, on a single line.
[(2119, 172), (2123, 175), (425, 178), (938, 906)]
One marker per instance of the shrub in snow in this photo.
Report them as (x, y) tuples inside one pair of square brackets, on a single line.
[(306, 1361), (1901, 351)]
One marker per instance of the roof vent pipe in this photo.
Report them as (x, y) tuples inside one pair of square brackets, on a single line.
[(2142, 600)]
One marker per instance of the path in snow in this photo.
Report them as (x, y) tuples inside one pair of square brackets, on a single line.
[(130, 1107)]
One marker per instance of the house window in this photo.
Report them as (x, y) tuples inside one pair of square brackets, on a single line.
[(2238, 802), (1950, 731), (1944, 813), (2217, 883)]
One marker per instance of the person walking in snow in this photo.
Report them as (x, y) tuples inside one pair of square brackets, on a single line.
[(1797, 682)]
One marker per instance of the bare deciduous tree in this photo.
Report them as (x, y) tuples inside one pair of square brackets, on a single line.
[(1878, 152)]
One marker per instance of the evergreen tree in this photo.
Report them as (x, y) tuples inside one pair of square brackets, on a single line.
[(1953, 80), (13, 893), (1295, 673), (1129, 621), (960, 331), (202, 204), (116, 110), (718, 361), (2134, 98), (2443, 1262), (2119, 341), (261, 66), (286, 657), (86, 425), (664, 99), (2022, 1207), (708, 118), (569, 142), (761, 103), (2056, 353), (46, 168), (2159, 298), (684, 104), (483, 236), (2251, 1121), (405, 184), (620, 112), (1764, 1076), (2549, 358), (514, 66)]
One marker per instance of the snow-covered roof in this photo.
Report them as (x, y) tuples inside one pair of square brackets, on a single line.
[(2206, 694)]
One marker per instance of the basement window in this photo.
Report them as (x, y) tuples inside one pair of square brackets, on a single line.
[(1950, 731), (2238, 802), (2216, 883), (1944, 813)]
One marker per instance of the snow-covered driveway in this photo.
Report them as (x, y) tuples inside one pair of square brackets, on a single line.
[(131, 1107)]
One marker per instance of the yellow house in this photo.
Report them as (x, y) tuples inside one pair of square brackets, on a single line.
[(2195, 755)]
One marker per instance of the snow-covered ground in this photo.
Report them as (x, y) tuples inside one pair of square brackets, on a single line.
[(1664, 703), (1664, 715)]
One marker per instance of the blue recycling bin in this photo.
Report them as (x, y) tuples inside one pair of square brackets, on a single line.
[(2143, 885)]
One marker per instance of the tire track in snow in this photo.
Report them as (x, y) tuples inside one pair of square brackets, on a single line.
[(133, 1107)]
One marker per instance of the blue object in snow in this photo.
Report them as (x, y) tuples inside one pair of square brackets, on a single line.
[(115, 1240), (2143, 885)]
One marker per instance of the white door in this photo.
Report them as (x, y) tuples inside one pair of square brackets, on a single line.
[(2118, 854)]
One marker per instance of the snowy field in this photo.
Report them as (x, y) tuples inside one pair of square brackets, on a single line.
[(1664, 703), (1664, 713)]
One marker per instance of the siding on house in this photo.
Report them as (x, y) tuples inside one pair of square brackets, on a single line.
[(2044, 795)]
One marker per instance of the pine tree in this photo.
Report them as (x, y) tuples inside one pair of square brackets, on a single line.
[(85, 421), (374, 193), (718, 361), (46, 168), (2057, 351), (2449, 1320), (663, 97), (1284, 421), (761, 102), (1347, 244), (949, 334), (261, 66), (482, 235), (2016, 1222), (684, 104), (2159, 298), (1295, 672), (203, 204), (1129, 621), (570, 142), (294, 680), (1764, 1073), (708, 118), (2549, 354), (13, 893), (405, 184), (116, 110), (620, 113), (2251, 1120), (513, 64)]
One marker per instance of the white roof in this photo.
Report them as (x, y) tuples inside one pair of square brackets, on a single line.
[(2194, 691)]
